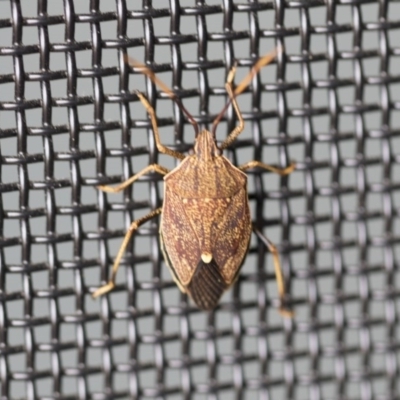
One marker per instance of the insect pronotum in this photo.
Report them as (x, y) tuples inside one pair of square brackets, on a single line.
[(205, 225)]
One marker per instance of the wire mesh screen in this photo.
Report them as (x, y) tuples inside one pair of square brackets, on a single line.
[(69, 121)]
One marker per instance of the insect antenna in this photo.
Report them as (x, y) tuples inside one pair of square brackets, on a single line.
[(262, 62), (152, 76)]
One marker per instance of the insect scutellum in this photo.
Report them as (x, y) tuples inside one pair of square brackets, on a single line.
[(205, 218)]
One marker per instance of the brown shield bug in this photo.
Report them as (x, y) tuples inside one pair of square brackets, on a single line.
[(205, 217)]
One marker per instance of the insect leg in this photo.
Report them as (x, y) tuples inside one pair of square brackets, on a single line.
[(150, 168), (259, 164), (134, 226), (239, 129), (163, 149), (278, 272), (263, 61)]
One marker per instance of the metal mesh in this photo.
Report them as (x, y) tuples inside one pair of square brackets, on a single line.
[(69, 121)]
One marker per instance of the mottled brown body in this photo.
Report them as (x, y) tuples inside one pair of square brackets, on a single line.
[(205, 217)]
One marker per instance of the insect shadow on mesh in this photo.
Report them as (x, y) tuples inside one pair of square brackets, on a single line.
[(205, 225)]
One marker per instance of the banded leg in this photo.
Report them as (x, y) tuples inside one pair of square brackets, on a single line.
[(133, 227), (259, 164), (285, 312), (161, 148), (150, 168)]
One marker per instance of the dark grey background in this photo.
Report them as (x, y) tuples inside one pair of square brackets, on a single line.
[(335, 219)]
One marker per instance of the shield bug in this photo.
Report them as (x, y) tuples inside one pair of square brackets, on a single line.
[(205, 225)]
